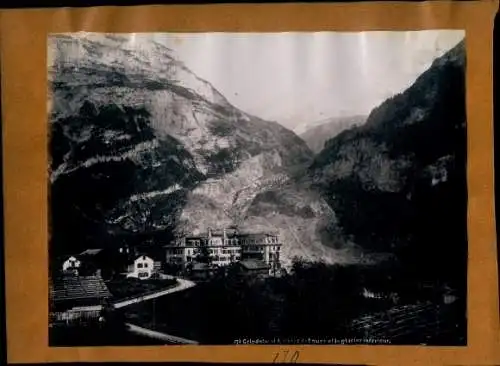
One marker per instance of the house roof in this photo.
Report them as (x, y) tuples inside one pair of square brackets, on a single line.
[(144, 258), (254, 235), (201, 267), (253, 264), (91, 252), (73, 287), (70, 258)]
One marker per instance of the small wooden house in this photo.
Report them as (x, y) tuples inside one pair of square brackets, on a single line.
[(71, 264), (74, 297), (254, 268)]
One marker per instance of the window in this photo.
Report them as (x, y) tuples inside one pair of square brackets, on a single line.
[(139, 265), (145, 265)]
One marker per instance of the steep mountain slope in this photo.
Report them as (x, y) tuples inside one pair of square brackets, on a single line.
[(316, 134), (142, 149), (398, 182)]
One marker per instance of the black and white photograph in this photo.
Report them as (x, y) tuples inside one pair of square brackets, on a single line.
[(257, 188)]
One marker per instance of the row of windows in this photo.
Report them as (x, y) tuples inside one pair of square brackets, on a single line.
[(197, 242), (231, 251), (217, 258), (142, 265), (227, 258), (268, 240), (253, 248)]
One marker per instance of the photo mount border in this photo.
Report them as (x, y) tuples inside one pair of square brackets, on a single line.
[(24, 36)]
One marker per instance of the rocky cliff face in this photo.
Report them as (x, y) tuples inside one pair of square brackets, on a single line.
[(142, 148), (398, 182)]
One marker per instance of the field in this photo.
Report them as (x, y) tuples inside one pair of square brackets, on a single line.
[(315, 301)]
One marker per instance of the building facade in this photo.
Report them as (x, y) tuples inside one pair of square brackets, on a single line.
[(225, 247), (72, 264)]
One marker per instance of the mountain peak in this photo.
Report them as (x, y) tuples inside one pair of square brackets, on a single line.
[(135, 61)]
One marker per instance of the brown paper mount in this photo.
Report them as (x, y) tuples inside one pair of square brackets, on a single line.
[(24, 120)]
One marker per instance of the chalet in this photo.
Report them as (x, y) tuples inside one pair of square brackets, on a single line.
[(254, 268), (72, 264), (143, 268), (77, 298)]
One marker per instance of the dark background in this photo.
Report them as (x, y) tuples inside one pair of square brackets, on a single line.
[(10, 4)]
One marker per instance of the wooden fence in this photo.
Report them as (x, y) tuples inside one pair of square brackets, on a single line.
[(76, 316)]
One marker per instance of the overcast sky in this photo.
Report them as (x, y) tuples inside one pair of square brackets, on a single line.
[(296, 78)]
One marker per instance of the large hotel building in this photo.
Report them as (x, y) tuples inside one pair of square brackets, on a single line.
[(225, 247)]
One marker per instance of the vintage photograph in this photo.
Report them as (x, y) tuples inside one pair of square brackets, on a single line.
[(257, 188)]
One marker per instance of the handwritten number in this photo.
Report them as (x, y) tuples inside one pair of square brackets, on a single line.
[(286, 354), (276, 357), (293, 359)]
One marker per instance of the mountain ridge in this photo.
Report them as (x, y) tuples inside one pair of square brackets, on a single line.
[(398, 182)]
